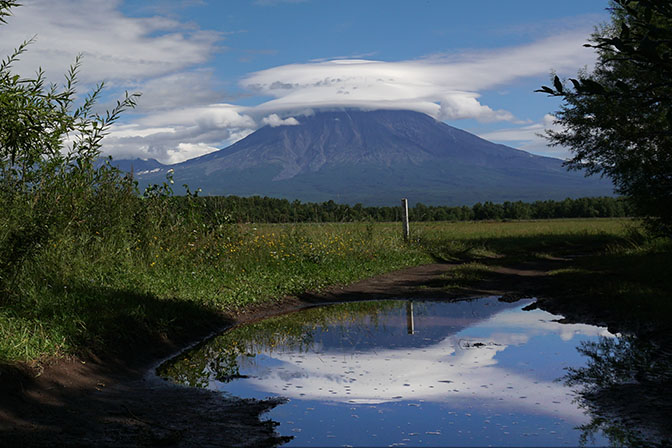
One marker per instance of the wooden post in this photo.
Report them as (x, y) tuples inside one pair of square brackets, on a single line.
[(404, 218), (410, 325)]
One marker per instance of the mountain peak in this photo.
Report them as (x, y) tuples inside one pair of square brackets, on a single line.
[(376, 157)]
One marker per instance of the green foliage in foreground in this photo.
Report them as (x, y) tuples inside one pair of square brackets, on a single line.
[(611, 267), (116, 283), (160, 274)]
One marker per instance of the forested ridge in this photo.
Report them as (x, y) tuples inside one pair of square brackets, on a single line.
[(274, 210)]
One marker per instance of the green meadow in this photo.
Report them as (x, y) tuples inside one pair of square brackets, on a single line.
[(129, 280)]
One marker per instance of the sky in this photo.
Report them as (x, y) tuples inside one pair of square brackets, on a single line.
[(211, 72)]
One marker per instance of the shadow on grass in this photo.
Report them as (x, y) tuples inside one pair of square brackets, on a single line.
[(600, 275), (630, 292), (123, 333), (518, 248), (104, 321), (114, 329)]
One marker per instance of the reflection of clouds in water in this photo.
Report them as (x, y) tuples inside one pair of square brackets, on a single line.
[(454, 370), (537, 322), (444, 372)]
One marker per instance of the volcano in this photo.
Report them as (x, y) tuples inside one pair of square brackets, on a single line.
[(376, 158)]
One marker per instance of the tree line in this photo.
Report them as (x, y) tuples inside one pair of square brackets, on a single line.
[(274, 210)]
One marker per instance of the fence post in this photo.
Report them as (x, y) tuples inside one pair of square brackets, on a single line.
[(410, 324), (404, 218)]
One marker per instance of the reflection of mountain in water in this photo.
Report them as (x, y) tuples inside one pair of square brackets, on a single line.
[(389, 328), (475, 363), (358, 326)]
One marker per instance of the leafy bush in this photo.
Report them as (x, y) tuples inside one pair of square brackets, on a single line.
[(50, 186)]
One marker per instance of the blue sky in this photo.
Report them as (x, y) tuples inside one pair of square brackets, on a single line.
[(212, 72)]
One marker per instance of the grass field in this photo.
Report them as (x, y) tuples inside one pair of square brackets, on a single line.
[(100, 296), (610, 267)]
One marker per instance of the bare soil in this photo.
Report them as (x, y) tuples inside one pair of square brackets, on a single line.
[(121, 403)]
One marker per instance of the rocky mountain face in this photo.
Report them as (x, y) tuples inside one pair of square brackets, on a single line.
[(376, 158)]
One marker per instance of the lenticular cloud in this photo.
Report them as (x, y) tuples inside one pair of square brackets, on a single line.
[(368, 85), (445, 88)]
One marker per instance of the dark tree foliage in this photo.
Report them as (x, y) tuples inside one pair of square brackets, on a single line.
[(265, 209), (618, 370), (5, 9), (617, 119)]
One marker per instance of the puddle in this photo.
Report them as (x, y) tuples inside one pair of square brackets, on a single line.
[(404, 373)]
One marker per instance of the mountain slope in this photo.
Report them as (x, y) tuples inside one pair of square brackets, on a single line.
[(138, 166), (376, 158)]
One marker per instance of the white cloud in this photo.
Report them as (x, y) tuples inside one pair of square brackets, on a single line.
[(238, 135), (115, 47), (186, 151), (177, 135), (446, 87), (177, 90), (274, 121), (134, 130), (530, 138), (204, 118), (153, 55)]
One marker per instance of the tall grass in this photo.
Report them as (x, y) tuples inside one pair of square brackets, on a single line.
[(523, 239), (132, 268), (154, 271)]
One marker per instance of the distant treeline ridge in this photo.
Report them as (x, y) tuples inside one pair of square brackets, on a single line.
[(273, 210)]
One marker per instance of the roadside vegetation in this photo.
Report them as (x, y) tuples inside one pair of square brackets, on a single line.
[(152, 273)]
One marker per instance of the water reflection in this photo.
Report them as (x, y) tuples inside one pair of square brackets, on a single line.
[(394, 372), (627, 388)]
